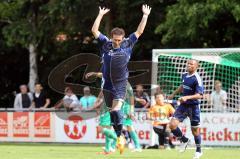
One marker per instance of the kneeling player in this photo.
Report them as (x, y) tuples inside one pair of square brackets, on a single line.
[(160, 113)]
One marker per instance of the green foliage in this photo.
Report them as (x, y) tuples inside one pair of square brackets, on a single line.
[(39, 22), (24, 22), (205, 23)]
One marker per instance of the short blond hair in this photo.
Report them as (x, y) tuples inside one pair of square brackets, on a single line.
[(216, 82)]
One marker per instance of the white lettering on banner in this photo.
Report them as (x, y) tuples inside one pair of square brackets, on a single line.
[(3, 124), (20, 131), (42, 125), (42, 131), (3, 131)]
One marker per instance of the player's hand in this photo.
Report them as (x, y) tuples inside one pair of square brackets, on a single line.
[(131, 116), (52, 108), (146, 9), (137, 99), (103, 10), (183, 99), (170, 97), (90, 74)]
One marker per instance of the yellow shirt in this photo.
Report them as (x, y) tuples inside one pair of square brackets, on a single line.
[(160, 114)]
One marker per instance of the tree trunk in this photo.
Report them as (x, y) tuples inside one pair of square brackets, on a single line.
[(33, 71)]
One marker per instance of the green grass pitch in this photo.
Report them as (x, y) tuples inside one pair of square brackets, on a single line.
[(73, 151)]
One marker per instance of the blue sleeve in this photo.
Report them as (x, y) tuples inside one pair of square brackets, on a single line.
[(182, 77), (199, 86), (102, 69), (133, 39), (102, 39)]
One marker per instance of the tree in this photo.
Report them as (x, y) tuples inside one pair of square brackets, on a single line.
[(34, 24), (206, 23), (25, 27)]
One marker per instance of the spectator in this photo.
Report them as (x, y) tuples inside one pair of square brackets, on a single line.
[(158, 89), (141, 98), (218, 98), (159, 114), (69, 101), (40, 99), (23, 99), (88, 100)]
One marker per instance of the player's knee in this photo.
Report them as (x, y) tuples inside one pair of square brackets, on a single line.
[(117, 104), (195, 131), (99, 129), (173, 124), (130, 128)]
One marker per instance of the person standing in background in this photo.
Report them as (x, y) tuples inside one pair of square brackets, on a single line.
[(88, 100), (40, 99), (23, 99), (142, 99), (218, 98)]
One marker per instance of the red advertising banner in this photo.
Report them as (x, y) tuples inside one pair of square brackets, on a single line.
[(3, 124), (42, 124), (20, 124)]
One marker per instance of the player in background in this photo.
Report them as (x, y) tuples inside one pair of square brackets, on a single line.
[(127, 109), (192, 90), (116, 53), (159, 114), (105, 125)]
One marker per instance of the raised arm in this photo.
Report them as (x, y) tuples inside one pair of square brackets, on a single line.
[(146, 11), (95, 27)]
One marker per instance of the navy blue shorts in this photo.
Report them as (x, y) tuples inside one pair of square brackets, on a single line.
[(191, 111), (115, 91)]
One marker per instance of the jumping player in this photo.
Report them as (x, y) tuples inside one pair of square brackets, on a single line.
[(116, 53), (192, 90), (128, 111)]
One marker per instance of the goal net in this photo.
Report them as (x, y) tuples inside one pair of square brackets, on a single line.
[(215, 64)]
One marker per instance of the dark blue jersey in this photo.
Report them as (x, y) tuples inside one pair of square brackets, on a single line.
[(115, 60), (192, 84)]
